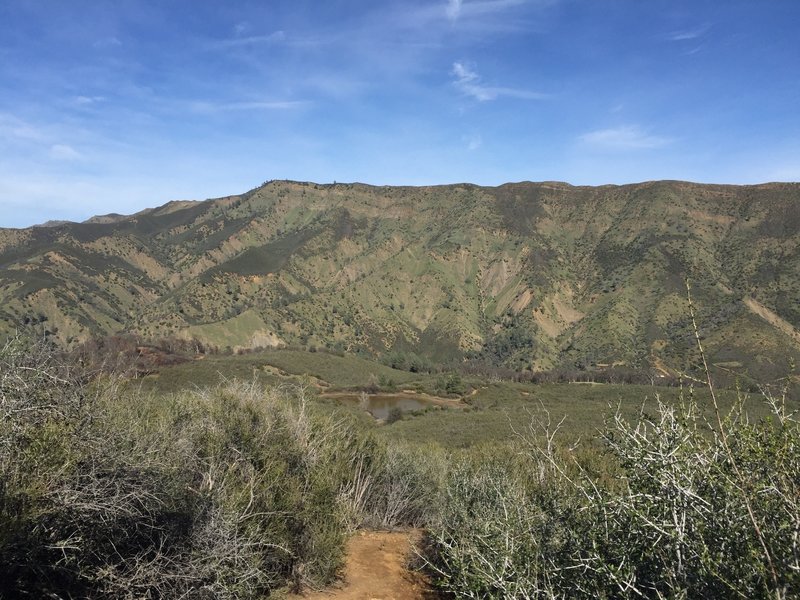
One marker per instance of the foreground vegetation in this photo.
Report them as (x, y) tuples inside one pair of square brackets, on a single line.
[(230, 492), (245, 490), (690, 514)]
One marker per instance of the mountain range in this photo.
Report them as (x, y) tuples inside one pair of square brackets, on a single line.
[(526, 275)]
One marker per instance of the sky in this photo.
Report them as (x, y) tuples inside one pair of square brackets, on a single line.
[(114, 106)]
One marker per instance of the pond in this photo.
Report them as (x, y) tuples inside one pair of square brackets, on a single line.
[(379, 405)]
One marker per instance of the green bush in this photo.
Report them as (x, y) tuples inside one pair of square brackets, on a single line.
[(706, 513), (499, 536), (231, 492), (239, 490), (395, 414), (699, 512)]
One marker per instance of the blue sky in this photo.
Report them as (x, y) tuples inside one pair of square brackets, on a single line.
[(113, 106)]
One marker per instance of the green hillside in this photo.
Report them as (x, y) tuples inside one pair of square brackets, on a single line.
[(525, 275)]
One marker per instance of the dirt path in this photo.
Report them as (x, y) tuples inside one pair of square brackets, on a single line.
[(404, 394), (377, 569)]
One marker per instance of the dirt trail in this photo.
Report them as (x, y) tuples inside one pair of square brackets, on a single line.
[(377, 569), (403, 394)]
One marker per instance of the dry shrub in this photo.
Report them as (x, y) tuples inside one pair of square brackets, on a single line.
[(702, 511), (229, 493)]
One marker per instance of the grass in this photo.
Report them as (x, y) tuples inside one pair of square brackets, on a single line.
[(497, 412), (493, 413), (232, 332), (293, 366)]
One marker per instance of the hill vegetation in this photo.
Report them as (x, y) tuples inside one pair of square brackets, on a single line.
[(526, 276)]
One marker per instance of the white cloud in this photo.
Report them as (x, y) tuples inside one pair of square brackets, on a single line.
[(472, 15), (628, 137), (453, 9), (687, 34), (469, 83), (476, 8), (41, 139), (267, 105), (107, 42), (12, 127), (209, 107), (87, 100), (473, 142), (269, 38), (463, 73), (64, 152)]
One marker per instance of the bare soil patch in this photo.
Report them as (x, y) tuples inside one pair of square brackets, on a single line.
[(377, 568), (773, 319), (404, 394)]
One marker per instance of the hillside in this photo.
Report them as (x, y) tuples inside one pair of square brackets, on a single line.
[(527, 275)]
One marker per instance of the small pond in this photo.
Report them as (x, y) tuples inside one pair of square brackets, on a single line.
[(379, 405)]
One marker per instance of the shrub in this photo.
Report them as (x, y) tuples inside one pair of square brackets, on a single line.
[(706, 513), (391, 485), (500, 537), (395, 414), (231, 493), (700, 512)]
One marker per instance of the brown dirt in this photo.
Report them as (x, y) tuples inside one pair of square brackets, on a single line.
[(404, 394), (377, 569), (773, 319)]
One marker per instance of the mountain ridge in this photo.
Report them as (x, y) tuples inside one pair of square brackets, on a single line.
[(527, 275)]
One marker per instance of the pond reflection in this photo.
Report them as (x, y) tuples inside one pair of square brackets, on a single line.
[(379, 405)]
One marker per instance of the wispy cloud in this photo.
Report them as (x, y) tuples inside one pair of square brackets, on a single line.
[(107, 42), (267, 105), (39, 140), (14, 128), (88, 100), (695, 50), (251, 40), (64, 152), (210, 107), (476, 16), (473, 142), (628, 137), (453, 10), (687, 34), (469, 83), (458, 8)]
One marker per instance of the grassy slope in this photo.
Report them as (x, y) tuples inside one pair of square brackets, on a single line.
[(281, 366)]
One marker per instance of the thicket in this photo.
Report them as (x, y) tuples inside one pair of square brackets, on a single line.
[(680, 508), (230, 492)]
